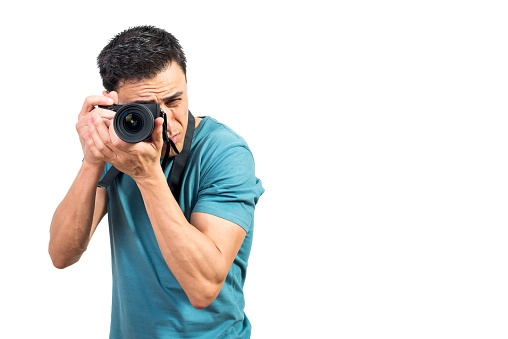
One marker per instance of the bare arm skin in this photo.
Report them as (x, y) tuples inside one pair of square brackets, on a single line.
[(79, 213), (199, 253), (76, 217)]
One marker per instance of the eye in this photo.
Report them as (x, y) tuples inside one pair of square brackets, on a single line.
[(172, 102)]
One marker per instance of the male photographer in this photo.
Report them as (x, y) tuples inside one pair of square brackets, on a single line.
[(179, 255)]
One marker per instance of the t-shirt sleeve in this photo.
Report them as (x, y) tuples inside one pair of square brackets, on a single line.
[(229, 188)]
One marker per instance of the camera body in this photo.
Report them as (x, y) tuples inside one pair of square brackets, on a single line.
[(134, 122)]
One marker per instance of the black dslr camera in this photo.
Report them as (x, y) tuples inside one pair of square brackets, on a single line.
[(134, 122)]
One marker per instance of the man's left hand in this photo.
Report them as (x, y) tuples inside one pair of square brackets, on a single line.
[(139, 160)]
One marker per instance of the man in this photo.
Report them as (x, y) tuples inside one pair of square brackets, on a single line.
[(178, 266)]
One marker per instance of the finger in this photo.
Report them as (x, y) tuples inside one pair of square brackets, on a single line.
[(113, 95), (102, 130), (157, 132), (91, 146), (92, 101), (116, 141), (82, 125), (108, 115), (101, 148), (104, 113), (107, 122)]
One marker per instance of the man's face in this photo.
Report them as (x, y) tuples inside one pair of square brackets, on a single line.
[(169, 90)]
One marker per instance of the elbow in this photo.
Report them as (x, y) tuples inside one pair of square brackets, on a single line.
[(63, 263), (60, 261), (205, 296), (201, 304), (59, 264)]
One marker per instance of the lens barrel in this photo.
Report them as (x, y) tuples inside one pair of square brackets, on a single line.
[(133, 123)]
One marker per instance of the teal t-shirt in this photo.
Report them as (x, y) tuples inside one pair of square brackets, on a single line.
[(148, 302)]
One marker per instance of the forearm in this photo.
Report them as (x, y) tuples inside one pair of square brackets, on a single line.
[(193, 258), (72, 221)]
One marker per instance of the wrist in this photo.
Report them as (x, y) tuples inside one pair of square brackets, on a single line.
[(92, 170), (153, 178), (91, 165)]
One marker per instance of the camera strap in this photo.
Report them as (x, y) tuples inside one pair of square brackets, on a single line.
[(179, 161), (167, 140)]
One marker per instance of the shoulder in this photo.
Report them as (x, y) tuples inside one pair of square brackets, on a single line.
[(228, 187), (214, 139), (210, 131)]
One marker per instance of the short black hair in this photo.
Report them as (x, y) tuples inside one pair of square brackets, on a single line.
[(138, 53)]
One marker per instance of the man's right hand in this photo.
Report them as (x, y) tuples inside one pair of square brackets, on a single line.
[(85, 204), (85, 117)]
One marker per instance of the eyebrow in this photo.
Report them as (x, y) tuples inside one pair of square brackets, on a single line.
[(171, 97)]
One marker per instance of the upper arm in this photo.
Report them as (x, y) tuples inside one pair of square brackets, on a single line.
[(100, 209), (226, 198), (229, 188), (226, 235)]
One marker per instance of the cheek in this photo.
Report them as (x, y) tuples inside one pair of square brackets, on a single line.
[(177, 116), (177, 112)]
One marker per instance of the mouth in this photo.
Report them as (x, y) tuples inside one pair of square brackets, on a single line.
[(175, 138)]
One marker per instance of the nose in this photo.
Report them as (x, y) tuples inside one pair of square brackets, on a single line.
[(171, 123)]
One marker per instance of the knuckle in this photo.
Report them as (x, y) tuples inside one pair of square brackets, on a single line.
[(89, 99), (96, 152), (93, 151), (100, 147), (79, 124), (116, 142), (107, 141)]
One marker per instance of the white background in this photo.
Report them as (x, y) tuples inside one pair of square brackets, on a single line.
[(379, 130)]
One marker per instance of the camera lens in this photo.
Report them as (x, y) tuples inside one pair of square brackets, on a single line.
[(133, 123)]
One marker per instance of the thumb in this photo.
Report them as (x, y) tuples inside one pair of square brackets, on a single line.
[(113, 95), (157, 132)]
